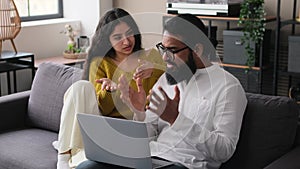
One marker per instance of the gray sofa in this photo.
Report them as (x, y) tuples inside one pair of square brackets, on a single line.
[(29, 123)]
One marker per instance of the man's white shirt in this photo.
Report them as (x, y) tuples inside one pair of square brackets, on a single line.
[(206, 131)]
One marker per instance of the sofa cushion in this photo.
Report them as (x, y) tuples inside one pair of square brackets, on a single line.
[(47, 92), (268, 131), (28, 149), (288, 161)]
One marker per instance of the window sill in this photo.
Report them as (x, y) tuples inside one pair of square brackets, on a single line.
[(47, 22)]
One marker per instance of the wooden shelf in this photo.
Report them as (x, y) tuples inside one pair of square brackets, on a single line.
[(238, 66), (286, 73), (226, 18), (289, 22), (268, 18), (58, 60)]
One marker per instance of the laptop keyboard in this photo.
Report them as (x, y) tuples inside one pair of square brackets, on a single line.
[(156, 163)]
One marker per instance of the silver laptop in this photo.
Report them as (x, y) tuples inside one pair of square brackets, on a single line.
[(117, 141)]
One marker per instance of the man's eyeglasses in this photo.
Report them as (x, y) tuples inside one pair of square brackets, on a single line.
[(169, 52)]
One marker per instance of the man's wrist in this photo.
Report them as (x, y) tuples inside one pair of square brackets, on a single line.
[(139, 116)]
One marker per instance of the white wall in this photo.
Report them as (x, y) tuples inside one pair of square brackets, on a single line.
[(87, 12), (105, 5), (43, 38), (138, 6), (148, 15)]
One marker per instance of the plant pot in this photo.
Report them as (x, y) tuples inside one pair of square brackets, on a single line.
[(74, 55)]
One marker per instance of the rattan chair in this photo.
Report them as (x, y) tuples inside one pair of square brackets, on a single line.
[(10, 22)]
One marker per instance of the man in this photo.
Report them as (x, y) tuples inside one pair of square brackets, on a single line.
[(196, 107)]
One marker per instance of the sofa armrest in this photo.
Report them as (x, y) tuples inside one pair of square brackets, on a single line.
[(288, 161), (13, 110)]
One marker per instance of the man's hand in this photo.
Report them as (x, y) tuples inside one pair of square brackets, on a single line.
[(135, 100), (165, 107)]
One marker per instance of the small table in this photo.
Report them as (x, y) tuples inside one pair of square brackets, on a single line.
[(11, 61), (59, 60)]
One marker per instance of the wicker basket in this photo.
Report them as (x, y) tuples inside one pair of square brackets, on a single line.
[(74, 55)]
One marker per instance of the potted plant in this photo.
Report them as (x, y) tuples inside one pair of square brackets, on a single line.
[(72, 52), (252, 19)]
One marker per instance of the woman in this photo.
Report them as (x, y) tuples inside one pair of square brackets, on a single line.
[(115, 50)]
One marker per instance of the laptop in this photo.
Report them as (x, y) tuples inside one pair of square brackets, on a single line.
[(117, 141)]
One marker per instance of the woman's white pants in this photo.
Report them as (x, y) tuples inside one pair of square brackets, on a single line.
[(79, 98)]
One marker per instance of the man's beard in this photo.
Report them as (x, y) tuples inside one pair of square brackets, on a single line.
[(183, 72)]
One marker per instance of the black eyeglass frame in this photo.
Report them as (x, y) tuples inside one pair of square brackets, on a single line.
[(163, 50)]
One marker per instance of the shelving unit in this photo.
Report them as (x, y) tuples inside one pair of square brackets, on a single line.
[(279, 24), (210, 19), (257, 76)]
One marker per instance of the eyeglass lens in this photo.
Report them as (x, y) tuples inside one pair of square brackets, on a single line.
[(162, 50)]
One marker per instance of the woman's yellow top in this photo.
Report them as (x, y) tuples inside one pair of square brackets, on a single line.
[(109, 103)]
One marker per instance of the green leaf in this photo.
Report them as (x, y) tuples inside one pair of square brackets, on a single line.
[(252, 19)]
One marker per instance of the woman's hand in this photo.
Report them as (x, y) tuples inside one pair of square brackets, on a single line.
[(143, 71), (107, 84)]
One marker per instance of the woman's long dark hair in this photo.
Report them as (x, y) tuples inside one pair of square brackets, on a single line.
[(101, 45)]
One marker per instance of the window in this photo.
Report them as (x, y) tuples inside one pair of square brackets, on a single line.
[(30, 10)]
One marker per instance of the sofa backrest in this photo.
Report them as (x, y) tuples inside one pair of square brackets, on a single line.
[(46, 99), (268, 131)]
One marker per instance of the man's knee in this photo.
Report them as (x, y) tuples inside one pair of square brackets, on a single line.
[(88, 164)]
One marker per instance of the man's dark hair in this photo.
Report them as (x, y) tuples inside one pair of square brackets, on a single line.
[(187, 27), (191, 31)]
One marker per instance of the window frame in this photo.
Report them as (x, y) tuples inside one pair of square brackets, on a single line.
[(44, 17)]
